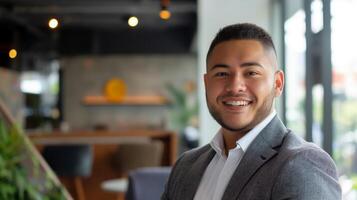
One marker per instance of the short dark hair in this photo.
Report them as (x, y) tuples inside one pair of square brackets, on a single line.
[(242, 31)]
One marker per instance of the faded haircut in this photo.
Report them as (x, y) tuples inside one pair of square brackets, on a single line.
[(242, 31)]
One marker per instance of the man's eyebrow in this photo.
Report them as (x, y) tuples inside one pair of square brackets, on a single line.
[(246, 64), (250, 64), (218, 66)]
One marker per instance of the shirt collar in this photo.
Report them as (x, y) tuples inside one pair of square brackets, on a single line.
[(218, 145)]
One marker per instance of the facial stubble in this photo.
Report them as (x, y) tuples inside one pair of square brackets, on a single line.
[(262, 112)]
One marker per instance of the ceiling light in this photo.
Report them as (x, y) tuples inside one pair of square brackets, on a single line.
[(12, 53), (53, 23), (165, 14), (133, 21)]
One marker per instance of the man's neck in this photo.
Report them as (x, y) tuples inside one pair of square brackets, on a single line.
[(230, 139)]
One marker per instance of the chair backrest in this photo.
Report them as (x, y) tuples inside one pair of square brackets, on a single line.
[(130, 156), (147, 183), (69, 160)]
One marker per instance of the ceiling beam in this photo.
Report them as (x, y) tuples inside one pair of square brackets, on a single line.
[(9, 16), (111, 8)]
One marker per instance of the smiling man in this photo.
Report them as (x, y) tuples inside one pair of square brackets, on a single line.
[(253, 155)]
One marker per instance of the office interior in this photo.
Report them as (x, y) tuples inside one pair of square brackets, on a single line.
[(102, 77)]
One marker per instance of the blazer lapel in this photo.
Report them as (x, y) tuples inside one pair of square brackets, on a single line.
[(195, 173), (260, 151)]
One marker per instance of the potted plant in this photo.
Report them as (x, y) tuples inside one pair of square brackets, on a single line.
[(20, 175)]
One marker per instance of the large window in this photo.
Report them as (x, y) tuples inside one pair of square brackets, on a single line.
[(344, 68), (308, 65), (295, 46), (41, 92)]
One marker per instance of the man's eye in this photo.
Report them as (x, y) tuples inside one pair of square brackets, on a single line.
[(252, 73), (221, 74)]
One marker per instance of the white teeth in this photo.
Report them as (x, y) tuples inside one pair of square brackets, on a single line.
[(237, 103)]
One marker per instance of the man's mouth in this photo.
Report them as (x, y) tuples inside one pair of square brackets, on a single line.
[(237, 103)]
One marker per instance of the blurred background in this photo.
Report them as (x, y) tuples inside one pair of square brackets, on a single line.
[(104, 73)]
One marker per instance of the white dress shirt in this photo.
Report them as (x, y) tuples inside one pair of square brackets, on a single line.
[(221, 168)]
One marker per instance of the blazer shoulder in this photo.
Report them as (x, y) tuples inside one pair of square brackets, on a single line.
[(187, 158), (196, 152), (179, 171), (307, 172), (295, 146)]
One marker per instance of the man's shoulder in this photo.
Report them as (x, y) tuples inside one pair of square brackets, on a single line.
[(296, 148), (193, 154), (294, 143), (306, 168), (187, 159)]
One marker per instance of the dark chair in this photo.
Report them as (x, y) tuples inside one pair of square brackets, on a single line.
[(70, 161), (131, 156), (147, 183)]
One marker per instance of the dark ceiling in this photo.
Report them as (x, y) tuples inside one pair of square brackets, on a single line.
[(96, 27)]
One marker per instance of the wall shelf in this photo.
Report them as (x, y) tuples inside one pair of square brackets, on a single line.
[(154, 100)]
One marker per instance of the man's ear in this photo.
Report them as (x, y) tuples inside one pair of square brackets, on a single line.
[(205, 79), (278, 82)]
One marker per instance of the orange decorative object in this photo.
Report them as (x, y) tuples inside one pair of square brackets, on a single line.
[(115, 90)]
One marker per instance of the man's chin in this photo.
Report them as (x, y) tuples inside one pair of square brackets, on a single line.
[(235, 127)]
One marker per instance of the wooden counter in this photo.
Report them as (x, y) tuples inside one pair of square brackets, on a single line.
[(104, 145)]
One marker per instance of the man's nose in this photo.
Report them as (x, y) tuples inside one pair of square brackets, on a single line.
[(236, 84)]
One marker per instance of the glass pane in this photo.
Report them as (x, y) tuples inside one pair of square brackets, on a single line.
[(344, 72), (295, 48)]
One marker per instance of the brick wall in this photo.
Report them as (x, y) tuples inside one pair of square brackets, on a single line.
[(143, 75)]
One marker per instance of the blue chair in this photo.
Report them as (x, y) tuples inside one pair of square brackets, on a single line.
[(73, 161), (147, 183)]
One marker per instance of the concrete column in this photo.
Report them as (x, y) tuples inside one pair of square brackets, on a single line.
[(212, 15)]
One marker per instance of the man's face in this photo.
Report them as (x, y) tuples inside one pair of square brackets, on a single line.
[(241, 83)]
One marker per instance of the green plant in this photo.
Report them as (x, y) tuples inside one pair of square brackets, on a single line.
[(18, 181), (184, 106), (353, 178)]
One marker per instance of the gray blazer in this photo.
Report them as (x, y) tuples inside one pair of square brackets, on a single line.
[(277, 165)]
